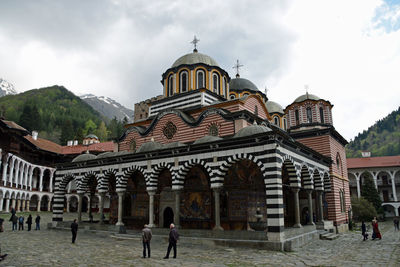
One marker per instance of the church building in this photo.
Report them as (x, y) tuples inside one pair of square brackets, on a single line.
[(214, 153)]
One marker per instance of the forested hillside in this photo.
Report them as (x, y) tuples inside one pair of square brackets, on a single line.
[(58, 115), (381, 139)]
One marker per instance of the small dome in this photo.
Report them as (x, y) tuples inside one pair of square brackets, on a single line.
[(252, 130), (110, 154), (92, 136), (306, 97), (84, 157), (149, 146), (195, 58), (274, 107), (242, 84), (207, 139)]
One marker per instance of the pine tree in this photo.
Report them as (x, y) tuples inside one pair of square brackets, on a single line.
[(369, 192), (101, 132), (25, 120), (67, 132)]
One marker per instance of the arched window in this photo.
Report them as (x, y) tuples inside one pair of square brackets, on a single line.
[(256, 110), (170, 85), (184, 81), (284, 124), (321, 114), (232, 96), (245, 94), (309, 115), (339, 164), (296, 114), (200, 79), (342, 201), (215, 83), (276, 121), (224, 87)]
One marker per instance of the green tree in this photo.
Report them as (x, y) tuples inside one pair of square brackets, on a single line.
[(90, 127), (79, 135), (363, 210), (67, 132), (116, 129), (101, 132), (369, 192)]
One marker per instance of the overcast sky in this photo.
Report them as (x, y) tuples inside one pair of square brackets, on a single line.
[(347, 52)]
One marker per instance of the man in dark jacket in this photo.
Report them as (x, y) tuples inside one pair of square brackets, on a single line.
[(14, 222), (37, 221), (173, 239), (146, 237), (74, 230), (29, 222)]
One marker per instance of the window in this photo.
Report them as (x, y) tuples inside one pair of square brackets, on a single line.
[(284, 124), (296, 114), (215, 83), (132, 145), (232, 96), (256, 110), (309, 115), (170, 86), (321, 114), (276, 121), (245, 94), (342, 201), (224, 87), (184, 81), (200, 79)]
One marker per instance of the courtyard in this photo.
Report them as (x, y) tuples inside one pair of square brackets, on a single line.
[(54, 248)]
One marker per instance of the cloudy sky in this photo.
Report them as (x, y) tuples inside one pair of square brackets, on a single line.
[(345, 51)]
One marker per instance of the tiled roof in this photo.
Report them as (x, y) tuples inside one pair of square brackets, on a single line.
[(13, 125), (388, 161), (45, 144), (78, 149)]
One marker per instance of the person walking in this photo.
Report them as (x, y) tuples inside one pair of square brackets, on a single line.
[(29, 222), (37, 221), (173, 239), (375, 229), (146, 237), (21, 223), (396, 223), (364, 231), (14, 222), (74, 230)]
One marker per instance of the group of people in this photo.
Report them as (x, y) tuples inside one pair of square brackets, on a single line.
[(172, 240), (20, 221), (375, 230)]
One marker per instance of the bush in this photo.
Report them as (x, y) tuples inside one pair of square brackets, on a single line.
[(363, 210)]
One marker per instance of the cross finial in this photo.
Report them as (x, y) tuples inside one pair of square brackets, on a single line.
[(237, 66), (194, 42), (306, 87), (266, 90)]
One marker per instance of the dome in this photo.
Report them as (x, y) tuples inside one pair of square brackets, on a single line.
[(195, 58), (84, 157), (274, 107), (306, 97), (149, 146), (110, 154), (242, 84), (252, 130), (207, 139), (92, 136)]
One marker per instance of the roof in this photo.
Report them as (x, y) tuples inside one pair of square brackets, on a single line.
[(13, 125), (274, 107), (79, 149), (44, 144), (242, 84), (388, 161), (84, 157), (251, 130), (195, 58), (306, 96)]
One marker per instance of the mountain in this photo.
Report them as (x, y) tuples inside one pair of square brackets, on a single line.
[(6, 88), (108, 107), (381, 139)]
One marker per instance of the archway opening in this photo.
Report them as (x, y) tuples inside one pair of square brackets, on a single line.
[(33, 203), (288, 197), (168, 217), (164, 196)]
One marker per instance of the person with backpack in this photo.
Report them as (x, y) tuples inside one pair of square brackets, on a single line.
[(21, 223), (37, 221)]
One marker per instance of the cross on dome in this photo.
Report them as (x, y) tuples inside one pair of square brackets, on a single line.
[(194, 42), (237, 66)]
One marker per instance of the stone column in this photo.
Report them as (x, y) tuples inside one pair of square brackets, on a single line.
[(49, 205), (68, 205), (26, 178), (310, 207), (41, 180), (7, 204), (217, 210), (80, 199), (102, 195), (358, 185), (89, 205), (296, 207), (13, 203), (1, 203), (28, 205), (120, 207), (22, 204), (10, 177), (18, 205), (177, 208), (4, 176), (30, 179), (151, 208), (38, 205), (393, 187), (21, 177), (375, 178), (320, 207), (51, 181)]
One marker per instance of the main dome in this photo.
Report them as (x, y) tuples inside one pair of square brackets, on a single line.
[(274, 107), (195, 58), (242, 84), (306, 96)]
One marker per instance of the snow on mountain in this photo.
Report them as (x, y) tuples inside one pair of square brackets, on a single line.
[(6, 88), (108, 107)]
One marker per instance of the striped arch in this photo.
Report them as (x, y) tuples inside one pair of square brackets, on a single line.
[(83, 184), (102, 183), (306, 179), (122, 181), (318, 181), (62, 185), (185, 168), (152, 181), (327, 182), (294, 178)]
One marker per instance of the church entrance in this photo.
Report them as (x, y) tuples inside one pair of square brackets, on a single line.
[(288, 198), (168, 217), (164, 198)]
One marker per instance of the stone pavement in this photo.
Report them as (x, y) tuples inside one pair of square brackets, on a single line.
[(54, 248)]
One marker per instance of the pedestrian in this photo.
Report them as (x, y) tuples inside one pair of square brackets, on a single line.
[(14, 222), (2, 230), (74, 230), (376, 233), (173, 239), (37, 221), (364, 231), (21, 223), (146, 237), (396, 223), (29, 222)]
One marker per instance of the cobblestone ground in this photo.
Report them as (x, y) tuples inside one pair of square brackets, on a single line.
[(54, 248)]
